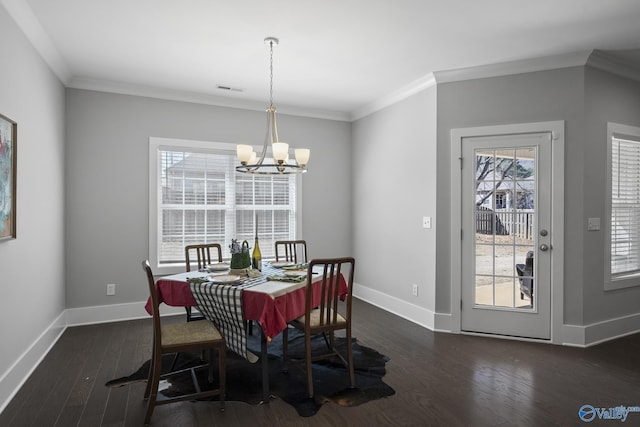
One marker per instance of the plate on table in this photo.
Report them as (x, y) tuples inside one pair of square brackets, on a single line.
[(281, 264), (218, 266), (225, 279)]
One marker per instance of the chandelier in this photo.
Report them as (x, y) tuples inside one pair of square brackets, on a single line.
[(249, 160)]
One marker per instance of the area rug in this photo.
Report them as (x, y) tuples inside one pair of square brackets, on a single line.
[(244, 380)]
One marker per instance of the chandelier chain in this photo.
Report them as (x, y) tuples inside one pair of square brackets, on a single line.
[(271, 75)]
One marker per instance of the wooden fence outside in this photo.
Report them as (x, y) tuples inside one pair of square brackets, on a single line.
[(505, 222)]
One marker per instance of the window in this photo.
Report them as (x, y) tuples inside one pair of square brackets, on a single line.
[(624, 207), (196, 196)]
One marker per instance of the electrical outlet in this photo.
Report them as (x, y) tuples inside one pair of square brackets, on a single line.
[(593, 224), (111, 289), (414, 290), (426, 222)]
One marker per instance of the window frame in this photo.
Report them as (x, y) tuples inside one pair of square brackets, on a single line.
[(616, 280), (158, 143)]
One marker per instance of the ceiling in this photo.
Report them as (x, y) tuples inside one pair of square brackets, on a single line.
[(335, 57)]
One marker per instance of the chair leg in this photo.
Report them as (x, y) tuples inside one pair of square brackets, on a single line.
[(188, 310), (307, 348), (211, 357), (152, 364), (222, 374), (285, 349), (154, 380), (352, 375), (174, 362)]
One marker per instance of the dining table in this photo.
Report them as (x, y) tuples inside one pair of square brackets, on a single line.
[(271, 298)]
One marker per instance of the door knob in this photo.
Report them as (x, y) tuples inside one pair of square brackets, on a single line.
[(544, 247)]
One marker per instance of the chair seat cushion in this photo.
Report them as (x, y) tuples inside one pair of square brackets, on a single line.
[(315, 319), (189, 332)]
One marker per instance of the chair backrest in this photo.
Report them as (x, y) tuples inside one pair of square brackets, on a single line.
[(155, 303), (202, 254), (291, 250), (333, 271), (529, 260)]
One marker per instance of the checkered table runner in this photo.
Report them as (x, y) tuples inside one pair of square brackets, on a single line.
[(222, 304)]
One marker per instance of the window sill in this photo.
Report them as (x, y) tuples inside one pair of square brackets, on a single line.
[(622, 282)]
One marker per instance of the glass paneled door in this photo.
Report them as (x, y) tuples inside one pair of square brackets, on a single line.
[(506, 182)]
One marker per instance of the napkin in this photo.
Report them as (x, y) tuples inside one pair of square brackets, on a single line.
[(296, 266), (197, 280), (283, 278)]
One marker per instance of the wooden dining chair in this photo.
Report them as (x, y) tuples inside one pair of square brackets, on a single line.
[(182, 337), (323, 317), (201, 254), (291, 250)]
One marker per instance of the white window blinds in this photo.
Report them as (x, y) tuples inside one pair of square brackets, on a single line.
[(202, 199), (625, 206)]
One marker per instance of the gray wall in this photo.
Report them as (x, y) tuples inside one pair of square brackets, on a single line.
[(586, 99), (107, 182), (32, 282), (608, 98), (523, 98), (394, 186)]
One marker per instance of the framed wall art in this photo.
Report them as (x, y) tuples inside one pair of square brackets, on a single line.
[(8, 163)]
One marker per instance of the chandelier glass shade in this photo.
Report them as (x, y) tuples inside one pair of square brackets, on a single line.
[(250, 162)]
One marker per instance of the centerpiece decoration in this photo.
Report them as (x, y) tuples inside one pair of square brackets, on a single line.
[(240, 257)]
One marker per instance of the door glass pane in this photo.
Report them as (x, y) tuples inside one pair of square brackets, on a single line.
[(504, 228)]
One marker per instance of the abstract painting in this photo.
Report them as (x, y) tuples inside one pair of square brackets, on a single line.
[(8, 136)]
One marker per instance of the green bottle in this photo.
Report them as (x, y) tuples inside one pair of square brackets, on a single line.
[(257, 257)]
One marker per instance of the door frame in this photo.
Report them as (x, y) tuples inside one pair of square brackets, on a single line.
[(557, 218)]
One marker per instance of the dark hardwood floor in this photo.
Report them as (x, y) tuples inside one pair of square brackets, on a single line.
[(440, 380)]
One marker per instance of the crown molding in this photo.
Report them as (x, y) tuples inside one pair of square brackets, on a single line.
[(615, 64), (482, 71), (529, 65), (28, 23), (419, 85), (198, 98), (23, 15)]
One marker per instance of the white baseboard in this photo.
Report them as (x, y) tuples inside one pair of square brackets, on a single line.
[(573, 335), (19, 372), (411, 312), (114, 313), (599, 332)]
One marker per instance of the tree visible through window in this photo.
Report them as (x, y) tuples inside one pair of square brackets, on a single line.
[(202, 199)]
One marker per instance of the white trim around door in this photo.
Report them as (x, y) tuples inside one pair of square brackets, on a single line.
[(557, 216)]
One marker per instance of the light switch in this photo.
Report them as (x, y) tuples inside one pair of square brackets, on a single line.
[(426, 222), (593, 224)]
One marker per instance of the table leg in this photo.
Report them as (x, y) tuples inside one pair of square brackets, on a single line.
[(266, 395)]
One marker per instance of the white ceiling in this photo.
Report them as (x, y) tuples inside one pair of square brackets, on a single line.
[(335, 56)]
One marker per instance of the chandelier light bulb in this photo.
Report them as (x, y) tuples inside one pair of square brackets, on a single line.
[(244, 153), (302, 156), (280, 151)]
